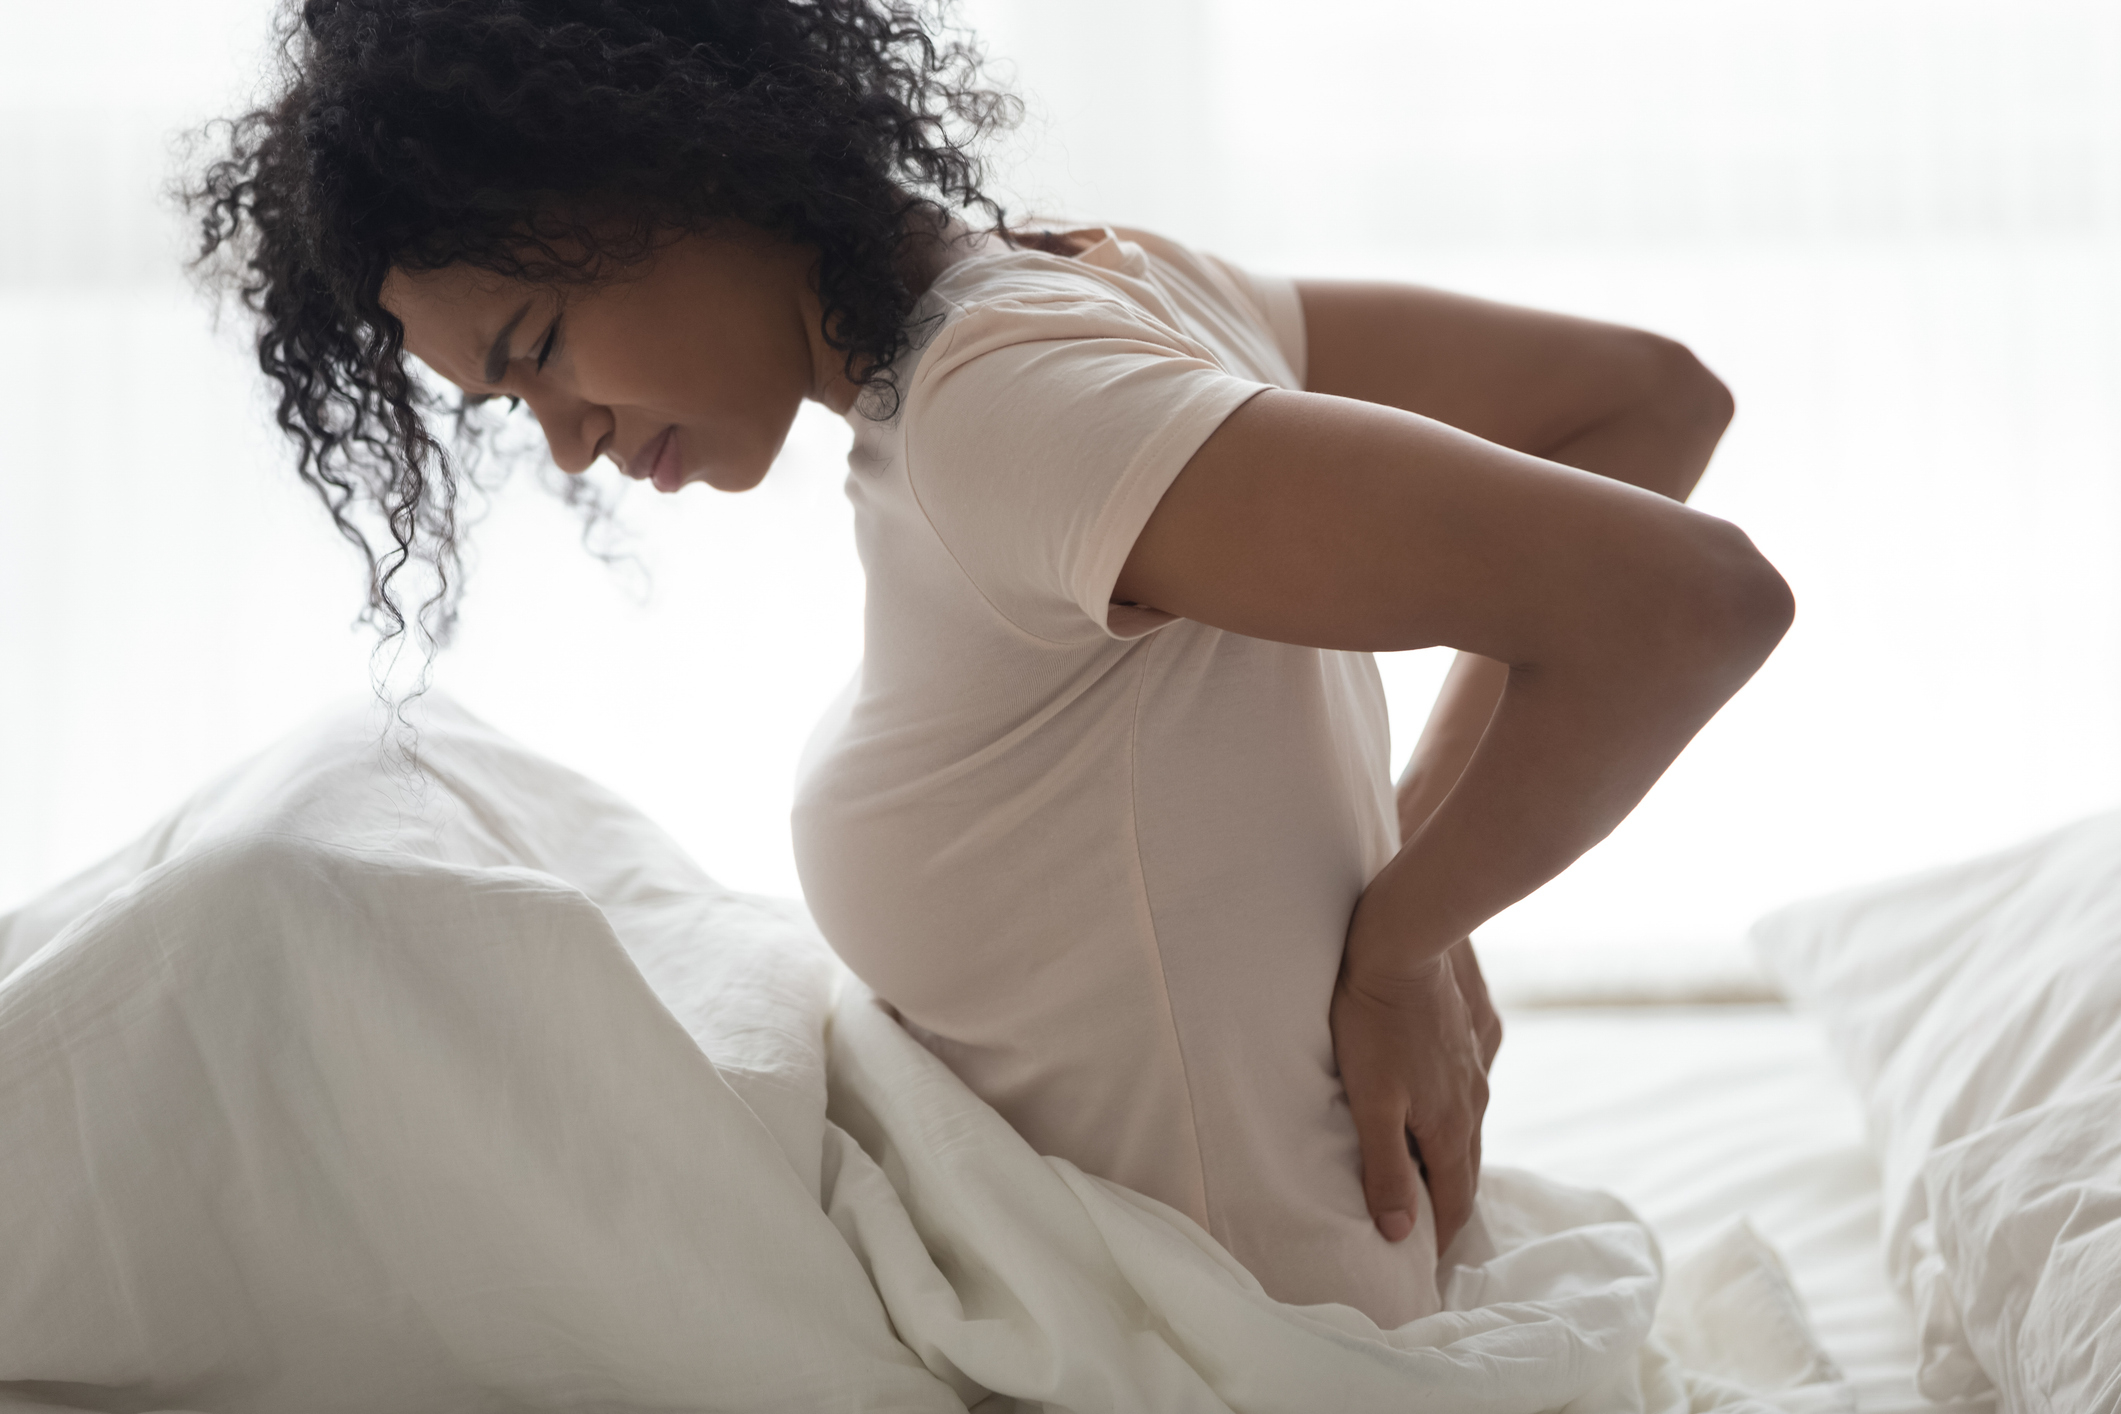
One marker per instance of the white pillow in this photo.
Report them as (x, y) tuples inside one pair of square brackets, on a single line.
[(1978, 1009)]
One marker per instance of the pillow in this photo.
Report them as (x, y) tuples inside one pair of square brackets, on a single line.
[(1978, 1010), (2029, 1267)]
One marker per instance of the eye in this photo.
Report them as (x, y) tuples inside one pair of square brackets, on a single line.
[(482, 399), (552, 337)]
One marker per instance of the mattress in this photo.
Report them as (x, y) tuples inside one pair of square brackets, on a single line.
[(1698, 1115)]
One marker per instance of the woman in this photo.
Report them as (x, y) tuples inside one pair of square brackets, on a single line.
[(1106, 815)]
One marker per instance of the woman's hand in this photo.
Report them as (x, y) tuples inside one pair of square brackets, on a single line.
[(1416, 1077)]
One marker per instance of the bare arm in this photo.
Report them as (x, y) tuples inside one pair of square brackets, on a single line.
[(1625, 618), (1589, 395), (1623, 621), (1624, 403), (1599, 397), (1617, 401)]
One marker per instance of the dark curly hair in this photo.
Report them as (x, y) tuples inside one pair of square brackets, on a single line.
[(559, 141)]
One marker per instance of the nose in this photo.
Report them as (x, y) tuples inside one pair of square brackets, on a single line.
[(573, 427)]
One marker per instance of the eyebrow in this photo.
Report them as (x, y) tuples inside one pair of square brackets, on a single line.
[(497, 356)]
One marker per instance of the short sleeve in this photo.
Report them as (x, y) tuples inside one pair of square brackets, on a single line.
[(1039, 437)]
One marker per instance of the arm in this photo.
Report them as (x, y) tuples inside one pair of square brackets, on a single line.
[(1623, 619), (1617, 401)]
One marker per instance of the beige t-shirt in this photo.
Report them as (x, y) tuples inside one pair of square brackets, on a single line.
[(1100, 859)]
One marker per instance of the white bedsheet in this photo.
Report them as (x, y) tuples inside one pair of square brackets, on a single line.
[(344, 1098), (1700, 1115)]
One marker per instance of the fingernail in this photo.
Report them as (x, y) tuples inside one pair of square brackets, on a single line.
[(1395, 1224)]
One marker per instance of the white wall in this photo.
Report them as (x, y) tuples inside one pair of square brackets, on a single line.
[(1892, 227)]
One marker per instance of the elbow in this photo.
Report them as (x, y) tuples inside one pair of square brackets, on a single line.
[(1708, 396), (1766, 608), (1687, 389), (1737, 606), (1686, 408)]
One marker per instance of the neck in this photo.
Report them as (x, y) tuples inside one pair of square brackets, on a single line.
[(935, 242)]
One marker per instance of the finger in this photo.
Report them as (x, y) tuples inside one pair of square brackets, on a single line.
[(1453, 1165), (1390, 1185)]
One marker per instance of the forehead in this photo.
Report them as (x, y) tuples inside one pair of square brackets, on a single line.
[(451, 315), (456, 295)]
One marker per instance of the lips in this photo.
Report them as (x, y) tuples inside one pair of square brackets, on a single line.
[(657, 461)]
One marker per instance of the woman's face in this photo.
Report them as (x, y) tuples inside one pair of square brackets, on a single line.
[(689, 368)]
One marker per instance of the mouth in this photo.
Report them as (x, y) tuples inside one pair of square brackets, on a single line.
[(657, 461)]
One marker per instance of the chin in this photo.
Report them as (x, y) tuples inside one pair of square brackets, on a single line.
[(731, 478)]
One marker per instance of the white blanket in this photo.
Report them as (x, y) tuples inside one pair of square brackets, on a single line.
[(357, 1090)]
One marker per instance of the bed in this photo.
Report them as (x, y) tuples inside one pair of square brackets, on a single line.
[(359, 1086), (1697, 1116)]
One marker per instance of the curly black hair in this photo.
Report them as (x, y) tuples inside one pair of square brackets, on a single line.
[(560, 141)]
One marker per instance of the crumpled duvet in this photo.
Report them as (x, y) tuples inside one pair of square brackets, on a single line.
[(357, 1087)]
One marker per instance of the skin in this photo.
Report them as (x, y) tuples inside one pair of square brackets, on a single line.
[(1625, 404), (1496, 480), (718, 341)]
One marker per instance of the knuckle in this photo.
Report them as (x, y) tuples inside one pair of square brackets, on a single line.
[(1456, 1127), (1382, 1150), (1385, 1191)]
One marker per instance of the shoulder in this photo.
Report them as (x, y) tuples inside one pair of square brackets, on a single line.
[(1052, 371), (1019, 297), (1052, 401), (1118, 336), (1115, 288)]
